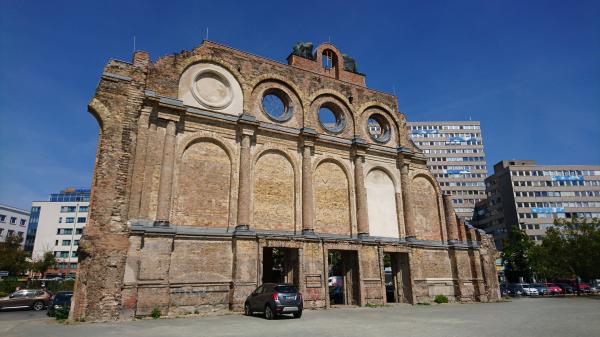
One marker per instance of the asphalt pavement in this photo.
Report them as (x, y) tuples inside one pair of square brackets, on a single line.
[(522, 317)]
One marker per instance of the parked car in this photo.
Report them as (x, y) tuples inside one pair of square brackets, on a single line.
[(541, 288), (35, 299), (504, 291), (59, 300), (529, 290), (554, 289), (275, 299), (583, 287), (523, 289), (515, 289), (566, 289)]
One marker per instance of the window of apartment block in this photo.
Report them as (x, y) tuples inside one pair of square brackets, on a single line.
[(81, 219), (22, 222), (56, 243), (73, 265), (13, 220), (70, 220), (2, 218), (64, 231), (68, 209), (66, 242), (83, 208), (79, 231), (74, 254), (76, 243)]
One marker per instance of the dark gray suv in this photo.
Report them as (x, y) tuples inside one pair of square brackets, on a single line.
[(275, 299)]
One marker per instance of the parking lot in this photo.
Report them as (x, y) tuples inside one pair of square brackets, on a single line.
[(521, 317)]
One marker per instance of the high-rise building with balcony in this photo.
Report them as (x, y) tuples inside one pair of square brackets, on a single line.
[(455, 156)]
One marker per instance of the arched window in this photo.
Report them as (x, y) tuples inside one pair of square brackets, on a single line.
[(328, 60)]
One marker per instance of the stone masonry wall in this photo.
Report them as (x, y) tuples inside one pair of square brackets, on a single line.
[(186, 197)]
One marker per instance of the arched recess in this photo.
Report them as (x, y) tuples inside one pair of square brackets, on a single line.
[(425, 209), (381, 202), (203, 186), (274, 193), (332, 199)]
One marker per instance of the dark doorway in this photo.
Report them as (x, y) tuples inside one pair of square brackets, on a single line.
[(397, 278), (343, 281), (280, 265)]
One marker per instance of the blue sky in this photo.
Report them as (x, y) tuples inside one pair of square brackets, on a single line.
[(528, 70)]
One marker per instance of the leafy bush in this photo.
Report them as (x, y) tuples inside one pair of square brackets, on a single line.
[(52, 286), (62, 313), (155, 313), (441, 299), (9, 284)]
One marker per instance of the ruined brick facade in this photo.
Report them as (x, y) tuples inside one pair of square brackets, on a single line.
[(195, 184)]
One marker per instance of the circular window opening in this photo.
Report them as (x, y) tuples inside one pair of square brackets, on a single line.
[(212, 89), (276, 105), (331, 119), (378, 128)]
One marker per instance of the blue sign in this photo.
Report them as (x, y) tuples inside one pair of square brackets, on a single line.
[(424, 132), (548, 210), (567, 178), (457, 171), (458, 139)]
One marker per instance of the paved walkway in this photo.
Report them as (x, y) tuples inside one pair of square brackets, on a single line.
[(523, 317)]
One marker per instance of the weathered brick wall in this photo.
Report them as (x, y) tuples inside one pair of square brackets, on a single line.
[(426, 209), (203, 187), (332, 199), (274, 194), (370, 274), (207, 171), (103, 248), (432, 273)]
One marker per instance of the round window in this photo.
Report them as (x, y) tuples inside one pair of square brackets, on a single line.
[(276, 105), (378, 128), (331, 118), (212, 89)]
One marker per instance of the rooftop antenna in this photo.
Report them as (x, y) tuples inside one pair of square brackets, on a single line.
[(134, 44), (329, 38), (394, 89), (206, 38)]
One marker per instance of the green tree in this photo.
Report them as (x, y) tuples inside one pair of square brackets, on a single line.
[(43, 264), (570, 249), (516, 255), (12, 256)]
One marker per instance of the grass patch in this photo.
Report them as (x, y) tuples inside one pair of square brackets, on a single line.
[(155, 313), (439, 299)]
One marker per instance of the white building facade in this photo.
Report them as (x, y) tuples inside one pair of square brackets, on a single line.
[(13, 221), (60, 225)]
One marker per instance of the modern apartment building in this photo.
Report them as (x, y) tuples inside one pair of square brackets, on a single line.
[(530, 196), (59, 224), (455, 156), (13, 221)]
